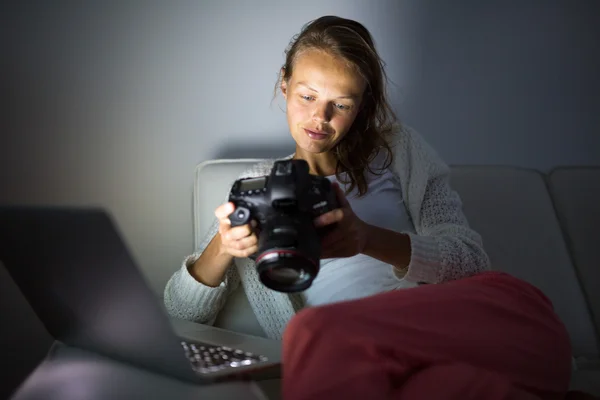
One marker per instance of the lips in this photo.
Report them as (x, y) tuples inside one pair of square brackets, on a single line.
[(316, 135)]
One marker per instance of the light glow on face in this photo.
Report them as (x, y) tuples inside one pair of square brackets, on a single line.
[(323, 95)]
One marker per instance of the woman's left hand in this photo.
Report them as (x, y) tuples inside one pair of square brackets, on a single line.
[(348, 237)]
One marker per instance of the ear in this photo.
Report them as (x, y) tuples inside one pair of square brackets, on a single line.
[(283, 84)]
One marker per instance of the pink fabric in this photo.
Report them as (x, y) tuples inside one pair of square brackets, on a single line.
[(490, 336)]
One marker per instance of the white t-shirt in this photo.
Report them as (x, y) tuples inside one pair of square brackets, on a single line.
[(359, 276)]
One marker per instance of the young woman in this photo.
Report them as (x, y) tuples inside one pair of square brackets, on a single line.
[(400, 223), (470, 334)]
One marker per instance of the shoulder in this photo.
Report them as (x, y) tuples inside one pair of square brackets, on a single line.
[(413, 153), (261, 168)]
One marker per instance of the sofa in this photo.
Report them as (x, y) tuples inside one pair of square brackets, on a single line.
[(538, 226), (541, 227)]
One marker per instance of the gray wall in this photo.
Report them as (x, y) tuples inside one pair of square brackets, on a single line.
[(508, 82), (115, 105)]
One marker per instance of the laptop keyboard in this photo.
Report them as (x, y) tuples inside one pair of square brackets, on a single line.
[(210, 358)]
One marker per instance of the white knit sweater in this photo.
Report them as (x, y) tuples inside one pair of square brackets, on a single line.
[(443, 248)]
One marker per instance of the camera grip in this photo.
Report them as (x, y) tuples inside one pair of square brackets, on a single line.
[(240, 216)]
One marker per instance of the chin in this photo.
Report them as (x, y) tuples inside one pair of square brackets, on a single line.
[(315, 148)]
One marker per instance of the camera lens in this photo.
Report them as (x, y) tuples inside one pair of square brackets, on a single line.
[(286, 270), (286, 275), (288, 256)]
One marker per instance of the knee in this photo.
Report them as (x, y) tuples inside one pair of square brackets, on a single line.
[(306, 322), (458, 381)]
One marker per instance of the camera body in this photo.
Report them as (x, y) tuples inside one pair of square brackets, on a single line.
[(284, 205)]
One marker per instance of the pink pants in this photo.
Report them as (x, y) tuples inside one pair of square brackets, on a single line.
[(490, 336)]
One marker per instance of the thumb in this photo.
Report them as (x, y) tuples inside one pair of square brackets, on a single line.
[(224, 210)]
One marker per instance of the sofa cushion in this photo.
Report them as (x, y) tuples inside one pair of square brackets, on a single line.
[(512, 210), (587, 381), (576, 195)]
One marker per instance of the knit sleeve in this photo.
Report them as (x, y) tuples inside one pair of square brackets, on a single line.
[(186, 298), (444, 246)]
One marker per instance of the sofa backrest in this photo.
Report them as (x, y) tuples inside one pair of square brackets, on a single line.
[(511, 209), (576, 195)]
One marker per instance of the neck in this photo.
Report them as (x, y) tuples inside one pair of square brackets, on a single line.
[(322, 164)]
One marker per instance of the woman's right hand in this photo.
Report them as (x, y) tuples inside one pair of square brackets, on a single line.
[(240, 241)]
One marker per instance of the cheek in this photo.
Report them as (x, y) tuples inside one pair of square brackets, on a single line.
[(342, 123), (297, 112)]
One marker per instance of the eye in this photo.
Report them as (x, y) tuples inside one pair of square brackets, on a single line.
[(307, 98), (342, 107)]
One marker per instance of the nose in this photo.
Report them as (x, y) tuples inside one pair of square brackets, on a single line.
[(321, 113)]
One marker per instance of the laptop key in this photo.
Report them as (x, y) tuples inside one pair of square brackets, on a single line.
[(205, 357)]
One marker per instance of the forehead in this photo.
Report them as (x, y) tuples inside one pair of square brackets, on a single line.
[(323, 72)]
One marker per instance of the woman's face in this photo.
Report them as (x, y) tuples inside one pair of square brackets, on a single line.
[(323, 98)]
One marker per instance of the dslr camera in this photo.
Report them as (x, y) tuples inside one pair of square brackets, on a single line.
[(284, 204)]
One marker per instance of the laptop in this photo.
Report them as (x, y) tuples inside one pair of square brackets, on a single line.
[(79, 277)]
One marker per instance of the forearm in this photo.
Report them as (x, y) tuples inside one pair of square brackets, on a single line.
[(186, 298), (388, 246), (211, 266)]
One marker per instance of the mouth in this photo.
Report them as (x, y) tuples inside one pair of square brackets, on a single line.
[(316, 135)]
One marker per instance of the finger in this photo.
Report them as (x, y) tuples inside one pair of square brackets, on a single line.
[(334, 251), (331, 240), (244, 243), (224, 227), (335, 240), (327, 252), (341, 196), (330, 217), (247, 252), (238, 232), (224, 211)]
